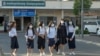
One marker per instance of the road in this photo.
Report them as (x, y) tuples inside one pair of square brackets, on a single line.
[(87, 46)]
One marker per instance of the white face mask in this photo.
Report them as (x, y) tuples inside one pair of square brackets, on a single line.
[(30, 26), (52, 25), (62, 22), (43, 25), (70, 22)]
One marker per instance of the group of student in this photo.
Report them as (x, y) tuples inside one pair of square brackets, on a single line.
[(57, 37)]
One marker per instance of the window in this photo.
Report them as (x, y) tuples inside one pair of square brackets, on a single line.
[(90, 23), (99, 22), (1, 21)]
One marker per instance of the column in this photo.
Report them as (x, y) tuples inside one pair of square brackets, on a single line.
[(12, 16), (22, 24), (62, 14)]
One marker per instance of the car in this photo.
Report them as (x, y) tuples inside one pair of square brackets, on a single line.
[(91, 26), (98, 31)]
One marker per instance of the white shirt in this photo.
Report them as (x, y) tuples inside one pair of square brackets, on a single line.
[(41, 30), (12, 32), (71, 29), (51, 32), (30, 34)]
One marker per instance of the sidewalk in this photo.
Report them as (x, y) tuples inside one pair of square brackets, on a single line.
[(92, 38), (82, 47), (77, 54)]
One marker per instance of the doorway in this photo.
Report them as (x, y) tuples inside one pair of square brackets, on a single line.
[(1, 21), (22, 22), (26, 21), (18, 23), (47, 19)]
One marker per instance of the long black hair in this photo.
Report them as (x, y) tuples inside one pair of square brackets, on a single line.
[(60, 23), (72, 24), (29, 28)]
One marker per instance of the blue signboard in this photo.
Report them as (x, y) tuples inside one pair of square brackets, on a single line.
[(24, 12)]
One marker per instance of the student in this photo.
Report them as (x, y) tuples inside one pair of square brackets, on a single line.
[(51, 34), (41, 32), (13, 36), (30, 35), (71, 38), (5, 25), (62, 36)]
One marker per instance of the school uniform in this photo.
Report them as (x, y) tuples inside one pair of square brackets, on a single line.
[(51, 34), (62, 34), (13, 36), (30, 34), (41, 41), (71, 34)]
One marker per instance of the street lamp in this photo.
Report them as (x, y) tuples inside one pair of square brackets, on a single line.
[(82, 17)]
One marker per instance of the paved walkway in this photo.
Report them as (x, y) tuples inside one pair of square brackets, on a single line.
[(87, 46)]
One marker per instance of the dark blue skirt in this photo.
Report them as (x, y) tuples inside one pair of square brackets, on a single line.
[(71, 44), (41, 42), (30, 43), (14, 43), (51, 42)]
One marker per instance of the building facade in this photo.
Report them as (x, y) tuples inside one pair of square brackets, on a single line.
[(24, 11)]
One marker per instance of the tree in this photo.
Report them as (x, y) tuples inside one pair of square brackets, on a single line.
[(36, 21), (77, 6)]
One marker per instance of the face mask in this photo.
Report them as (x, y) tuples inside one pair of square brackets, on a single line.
[(52, 25), (43, 25), (30, 26), (70, 23), (62, 22)]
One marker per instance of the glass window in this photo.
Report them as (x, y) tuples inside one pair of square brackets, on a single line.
[(47, 19), (1, 21), (99, 22), (90, 23)]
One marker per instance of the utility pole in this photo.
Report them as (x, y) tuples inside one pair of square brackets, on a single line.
[(82, 17)]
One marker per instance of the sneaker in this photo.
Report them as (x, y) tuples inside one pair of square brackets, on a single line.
[(70, 53), (40, 54), (14, 54), (51, 54), (43, 54), (58, 52), (63, 53), (73, 53)]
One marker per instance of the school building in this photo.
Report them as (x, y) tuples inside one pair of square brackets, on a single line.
[(24, 11)]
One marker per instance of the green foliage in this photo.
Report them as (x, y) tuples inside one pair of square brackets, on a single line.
[(78, 31), (77, 6), (36, 21), (86, 31)]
